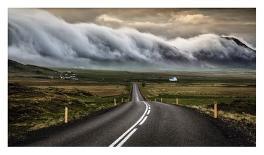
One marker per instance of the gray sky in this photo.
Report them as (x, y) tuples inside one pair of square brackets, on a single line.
[(170, 23)]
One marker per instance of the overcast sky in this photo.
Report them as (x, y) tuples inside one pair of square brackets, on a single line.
[(170, 23)]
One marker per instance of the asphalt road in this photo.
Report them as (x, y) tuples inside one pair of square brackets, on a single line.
[(140, 123)]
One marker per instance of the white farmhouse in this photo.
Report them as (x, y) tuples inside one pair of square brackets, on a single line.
[(173, 79)]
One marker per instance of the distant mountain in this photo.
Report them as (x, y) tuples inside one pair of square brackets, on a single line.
[(15, 67)]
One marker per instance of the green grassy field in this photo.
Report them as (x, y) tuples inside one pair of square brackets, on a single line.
[(235, 100), (31, 108)]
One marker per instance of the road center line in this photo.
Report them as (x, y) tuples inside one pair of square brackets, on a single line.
[(125, 133), (148, 112), (143, 120), (126, 138)]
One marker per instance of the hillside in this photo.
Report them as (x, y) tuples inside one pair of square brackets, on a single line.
[(15, 67)]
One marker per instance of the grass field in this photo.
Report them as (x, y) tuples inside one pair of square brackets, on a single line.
[(235, 100), (31, 107)]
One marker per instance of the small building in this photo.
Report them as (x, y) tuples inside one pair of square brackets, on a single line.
[(173, 79), (68, 76)]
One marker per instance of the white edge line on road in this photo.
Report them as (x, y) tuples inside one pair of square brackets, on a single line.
[(125, 133), (143, 120), (126, 138)]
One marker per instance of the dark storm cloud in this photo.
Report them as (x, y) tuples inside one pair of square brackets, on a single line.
[(40, 38)]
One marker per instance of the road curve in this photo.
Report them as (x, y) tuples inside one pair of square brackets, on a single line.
[(140, 123)]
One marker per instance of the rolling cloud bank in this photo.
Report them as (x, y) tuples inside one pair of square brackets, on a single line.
[(40, 38)]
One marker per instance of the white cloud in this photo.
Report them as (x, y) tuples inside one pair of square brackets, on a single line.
[(190, 19), (107, 18)]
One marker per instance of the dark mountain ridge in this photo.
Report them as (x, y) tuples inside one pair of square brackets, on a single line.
[(16, 67)]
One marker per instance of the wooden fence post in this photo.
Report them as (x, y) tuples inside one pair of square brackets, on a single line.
[(155, 100), (177, 101), (66, 115), (114, 101), (215, 109), (160, 99)]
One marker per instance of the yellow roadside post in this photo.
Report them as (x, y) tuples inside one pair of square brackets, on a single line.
[(66, 115), (215, 109), (114, 101)]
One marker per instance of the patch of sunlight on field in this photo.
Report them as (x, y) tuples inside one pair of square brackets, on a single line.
[(202, 89), (98, 90)]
